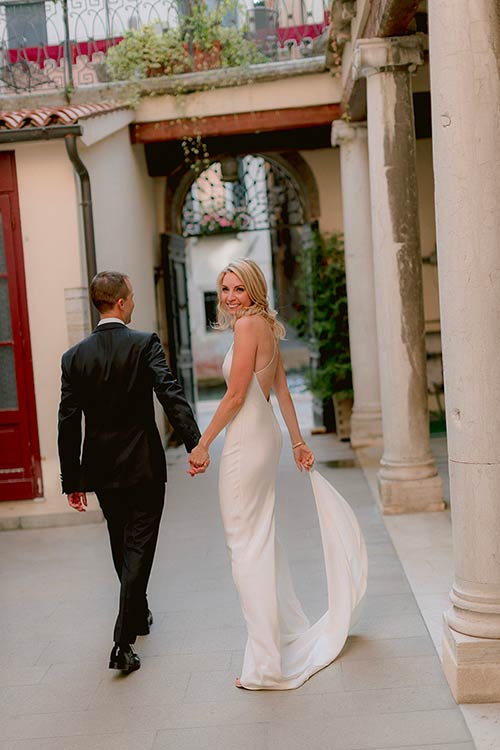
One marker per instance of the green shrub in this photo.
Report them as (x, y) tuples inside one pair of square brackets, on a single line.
[(322, 318)]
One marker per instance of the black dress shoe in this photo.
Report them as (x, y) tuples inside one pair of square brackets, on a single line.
[(124, 658), (147, 628)]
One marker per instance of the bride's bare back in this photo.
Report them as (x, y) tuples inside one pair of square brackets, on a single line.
[(266, 358)]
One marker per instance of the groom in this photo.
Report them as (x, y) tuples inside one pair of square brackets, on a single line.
[(110, 377)]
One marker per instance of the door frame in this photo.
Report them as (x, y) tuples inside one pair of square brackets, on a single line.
[(173, 250)]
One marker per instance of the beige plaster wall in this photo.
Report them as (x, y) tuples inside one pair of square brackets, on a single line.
[(305, 90), (425, 177), (325, 165), (125, 221), (125, 218), (53, 262)]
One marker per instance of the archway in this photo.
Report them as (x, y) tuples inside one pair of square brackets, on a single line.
[(253, 205)]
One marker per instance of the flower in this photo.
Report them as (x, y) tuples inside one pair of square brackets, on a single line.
[(215, 222)]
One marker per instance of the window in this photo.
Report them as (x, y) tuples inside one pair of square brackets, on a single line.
[(210, 299), (8, 388), (26, 23)]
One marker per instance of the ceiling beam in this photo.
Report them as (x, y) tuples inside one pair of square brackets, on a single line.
[(390, 18), (235, 124)]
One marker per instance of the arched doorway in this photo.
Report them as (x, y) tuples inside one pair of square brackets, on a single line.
[(254, 205)]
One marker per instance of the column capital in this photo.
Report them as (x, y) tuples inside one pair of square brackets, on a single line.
[(346, 132), (386, 54)]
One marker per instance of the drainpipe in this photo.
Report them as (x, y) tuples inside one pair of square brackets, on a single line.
[(88, 217)]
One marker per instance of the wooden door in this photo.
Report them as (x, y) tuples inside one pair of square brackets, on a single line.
[(177, 309), (20, 472)]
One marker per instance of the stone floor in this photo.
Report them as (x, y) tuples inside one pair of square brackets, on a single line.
[(423, 542), (385, 692)]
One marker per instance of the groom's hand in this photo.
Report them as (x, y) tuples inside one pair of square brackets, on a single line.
[(78, 501)]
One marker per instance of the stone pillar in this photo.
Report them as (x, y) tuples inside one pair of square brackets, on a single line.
[(408, 478), (366, 419), (465, 79)]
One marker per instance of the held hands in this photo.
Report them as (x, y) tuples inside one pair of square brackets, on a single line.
[(304, 457), (78, 501), (199, 460)]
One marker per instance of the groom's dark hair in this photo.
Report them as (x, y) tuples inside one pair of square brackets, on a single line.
[(106, 288)]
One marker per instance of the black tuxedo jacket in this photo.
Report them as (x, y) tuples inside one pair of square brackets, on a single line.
[(110, 377)]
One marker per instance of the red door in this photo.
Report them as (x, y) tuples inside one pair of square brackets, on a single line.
[(20, 472)]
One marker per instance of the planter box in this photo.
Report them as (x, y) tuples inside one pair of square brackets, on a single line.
[(343, 410)]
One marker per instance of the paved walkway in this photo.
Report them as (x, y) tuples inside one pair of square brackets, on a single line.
[(58, 592)]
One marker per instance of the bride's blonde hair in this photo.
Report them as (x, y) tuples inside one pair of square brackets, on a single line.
[(255, 284)]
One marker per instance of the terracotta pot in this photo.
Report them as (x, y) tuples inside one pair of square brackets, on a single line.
[(154, 72), (206, 59), (202, 60)]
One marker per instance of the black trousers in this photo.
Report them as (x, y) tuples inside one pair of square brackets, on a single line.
[(133, 516)]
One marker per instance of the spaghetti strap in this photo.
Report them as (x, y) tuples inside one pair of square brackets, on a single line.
[(272, 358)]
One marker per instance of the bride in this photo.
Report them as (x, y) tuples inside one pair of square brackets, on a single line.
[(282, 650)]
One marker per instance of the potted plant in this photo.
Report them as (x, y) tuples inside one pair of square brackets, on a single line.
[(144, 53), (216, 38), (201, 30), (323, 320), (200, 42), (220, 222)]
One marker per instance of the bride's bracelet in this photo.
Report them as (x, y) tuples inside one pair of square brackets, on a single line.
[(297, 445)]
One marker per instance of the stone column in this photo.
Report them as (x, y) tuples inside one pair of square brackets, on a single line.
[(366, 419), (465, 79), (408, 478)]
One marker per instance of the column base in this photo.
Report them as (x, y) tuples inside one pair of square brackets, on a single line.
[(366, 427), (470, 615), (471, 666), (410, 495)]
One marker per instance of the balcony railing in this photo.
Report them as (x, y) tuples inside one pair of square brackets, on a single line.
[(57, 44)]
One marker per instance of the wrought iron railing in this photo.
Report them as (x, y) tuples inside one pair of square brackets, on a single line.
[(50, 44)]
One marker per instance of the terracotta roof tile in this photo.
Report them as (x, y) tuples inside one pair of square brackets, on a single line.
[(45, 116)]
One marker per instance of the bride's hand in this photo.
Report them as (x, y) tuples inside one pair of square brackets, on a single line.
[(199, 460), (304, 457)]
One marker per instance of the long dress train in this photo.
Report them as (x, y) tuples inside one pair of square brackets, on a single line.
[(283, 650)]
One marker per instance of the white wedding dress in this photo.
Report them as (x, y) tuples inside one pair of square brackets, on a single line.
[(283, 650)]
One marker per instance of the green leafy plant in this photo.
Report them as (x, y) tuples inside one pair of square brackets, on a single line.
[(145, 52), (237, 50), (195, 153), (322, 318)]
